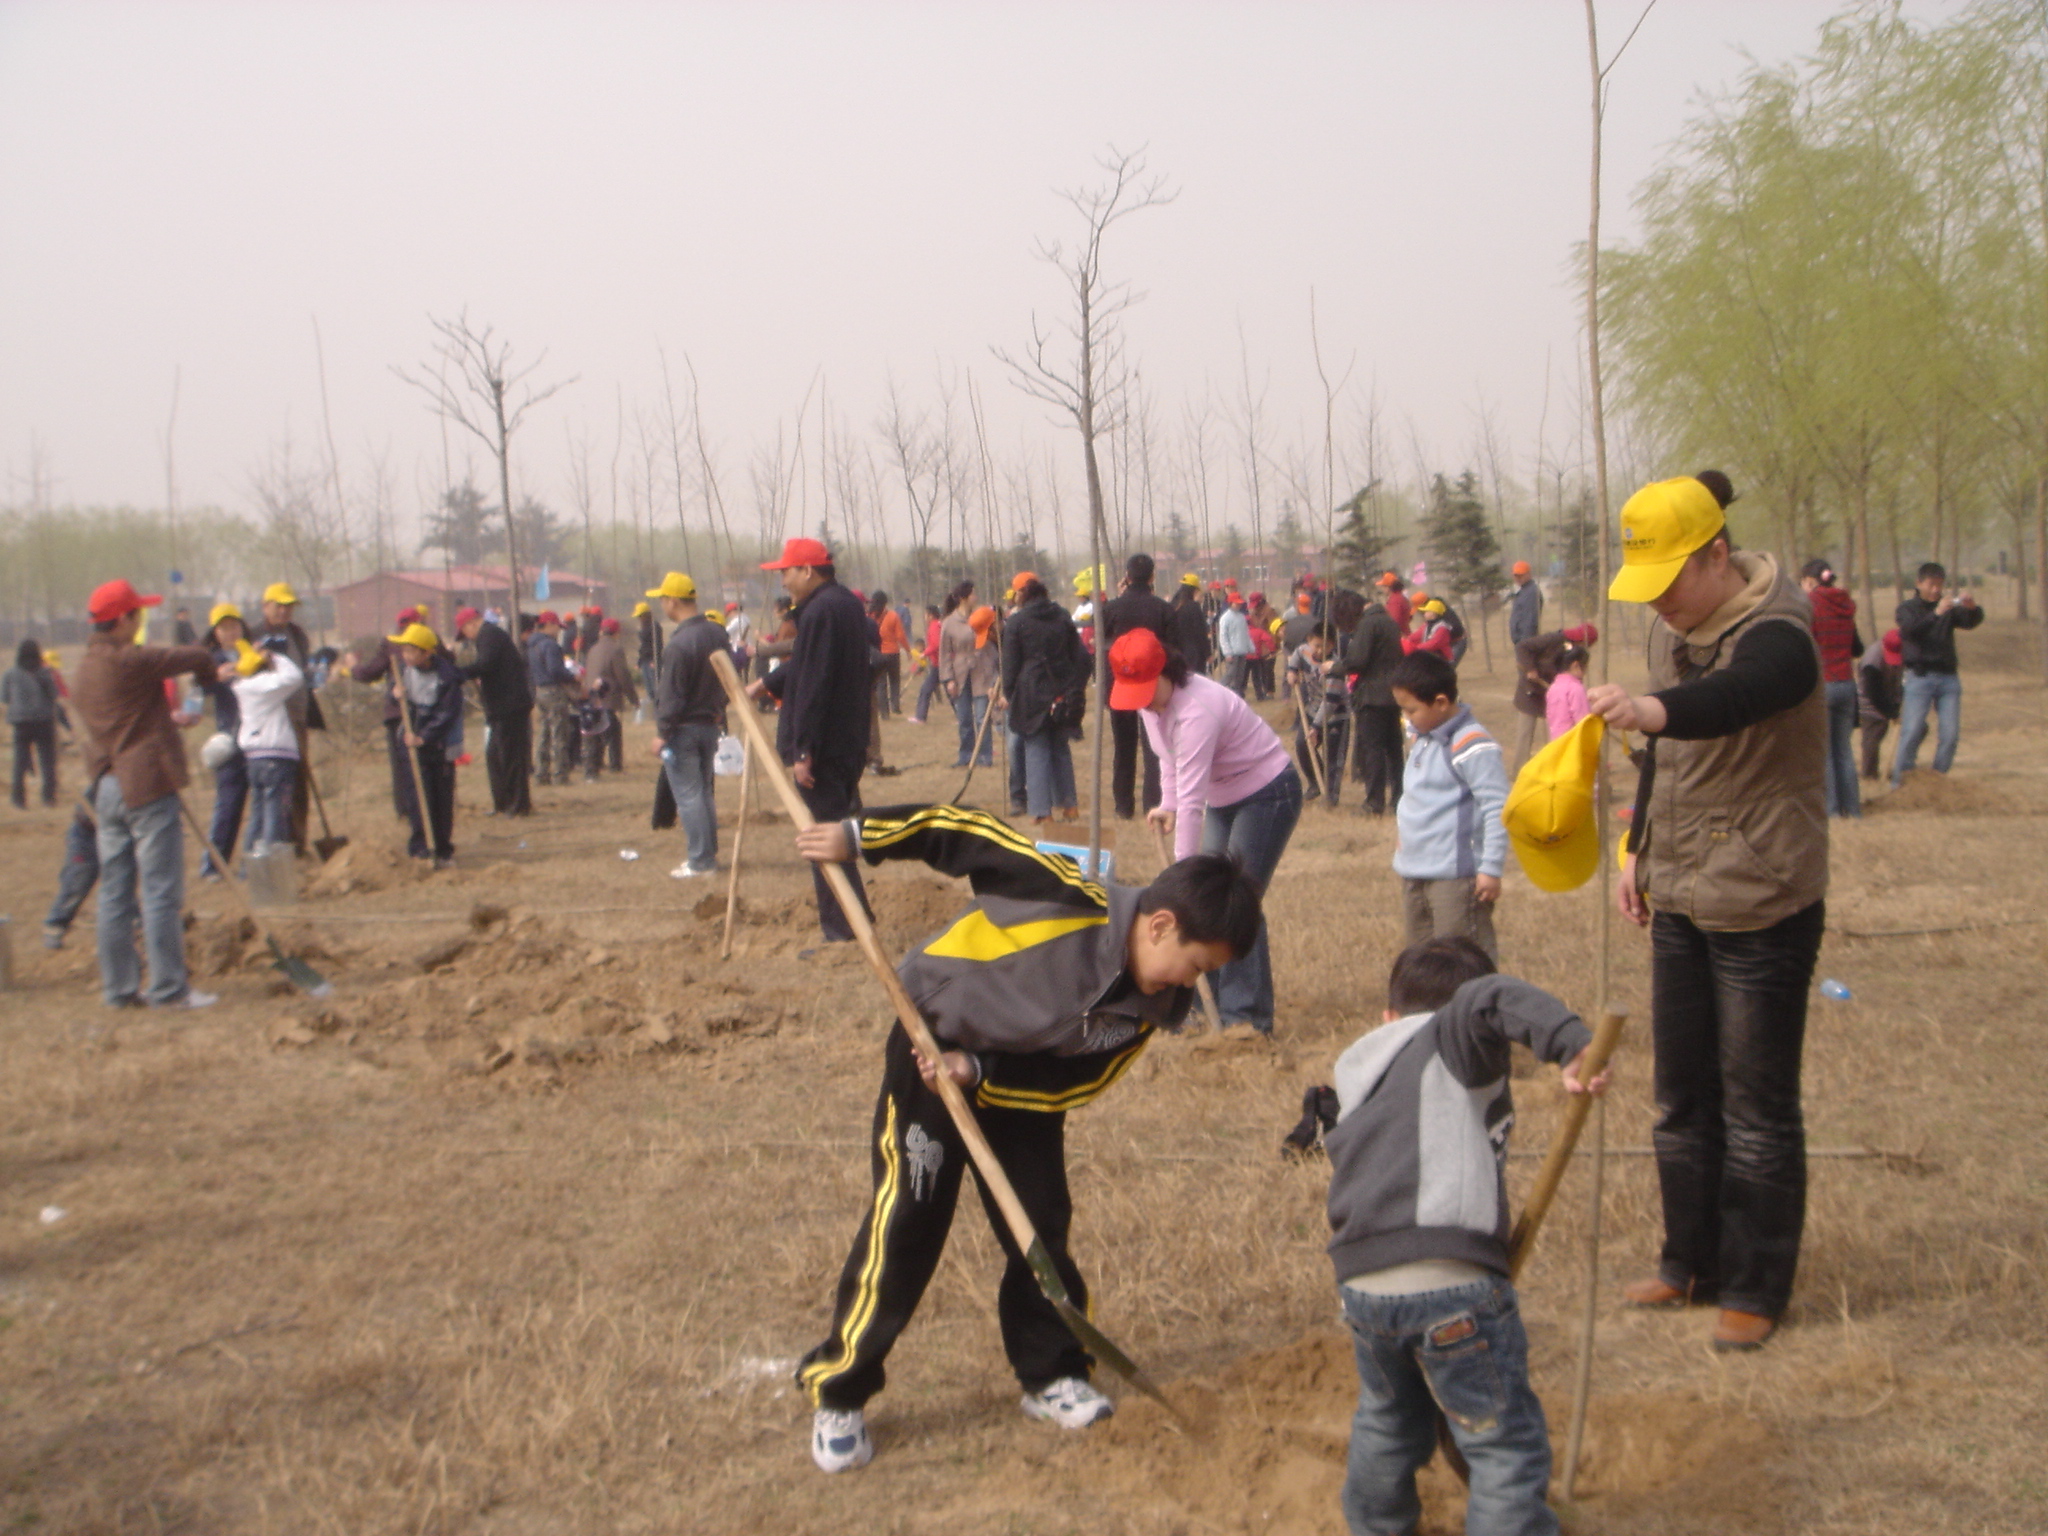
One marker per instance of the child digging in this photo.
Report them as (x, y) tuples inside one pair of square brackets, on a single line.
[(1452, 844), (1419, 1214), (1039, 996), (433, 694)]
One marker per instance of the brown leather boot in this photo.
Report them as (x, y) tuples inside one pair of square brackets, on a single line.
[(1655, 1292), (1742, 1330)]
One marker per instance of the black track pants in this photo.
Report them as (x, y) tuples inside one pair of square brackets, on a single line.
[(918, 1159)]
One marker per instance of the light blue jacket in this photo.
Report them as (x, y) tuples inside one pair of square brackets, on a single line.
[(1233, 633), (1451, 799)]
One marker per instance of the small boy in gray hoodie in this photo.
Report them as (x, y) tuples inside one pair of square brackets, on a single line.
[(1419, 1217)]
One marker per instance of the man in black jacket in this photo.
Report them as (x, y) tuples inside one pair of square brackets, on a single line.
[(689, 717), (822, 732), (1192, 624), (506, 694), (1927, 635), (1136, 608), (1370, 656)]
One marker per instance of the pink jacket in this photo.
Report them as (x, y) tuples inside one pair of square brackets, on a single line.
[(1213, 750), (1564, 703)]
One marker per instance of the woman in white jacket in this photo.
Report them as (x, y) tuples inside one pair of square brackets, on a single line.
[(264, 682)]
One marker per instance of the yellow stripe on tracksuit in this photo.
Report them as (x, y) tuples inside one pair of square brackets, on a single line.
[(975, 937), (864, 1301), (993, 1096), (878, 833)]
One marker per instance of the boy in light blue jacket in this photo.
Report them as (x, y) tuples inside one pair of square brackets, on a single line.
[(1452, 844)]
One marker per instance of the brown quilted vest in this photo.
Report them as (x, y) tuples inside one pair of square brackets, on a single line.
[(1738, 836)]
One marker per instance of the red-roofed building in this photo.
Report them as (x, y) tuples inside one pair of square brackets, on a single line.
[(367, 607)]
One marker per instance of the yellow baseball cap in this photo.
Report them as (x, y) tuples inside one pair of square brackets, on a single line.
[(416, 635), (280, 592), (641, 610), (1190, 579), (1549, 814), (676, 585), (1661, 525), (248, 660), (1434, 605), (716, 616), (222, 611)]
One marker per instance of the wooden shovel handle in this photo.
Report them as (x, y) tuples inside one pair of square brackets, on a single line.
[(1522, 1241)]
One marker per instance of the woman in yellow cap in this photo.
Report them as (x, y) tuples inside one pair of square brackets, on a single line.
[(264, 682), (1731, 881), (225, 633)]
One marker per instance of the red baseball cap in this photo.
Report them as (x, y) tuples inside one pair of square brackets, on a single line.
[(406, 616), (116, 600), (609, 626), (464, 615), (548, 616), (1135, 661), (797, 552)]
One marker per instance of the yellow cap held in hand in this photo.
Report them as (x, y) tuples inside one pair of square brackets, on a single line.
[(1661, 526), (248, 660), (1549, 813)]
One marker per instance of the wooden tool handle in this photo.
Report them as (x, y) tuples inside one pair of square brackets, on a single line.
[(1522, 1241), (1208, 995)]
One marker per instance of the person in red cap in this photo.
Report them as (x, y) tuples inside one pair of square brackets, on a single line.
[(605, 668), (1535, 667), (1226, 785), (822, 730), (1399, 609), (136, 764), (506, 693), (555, 689)]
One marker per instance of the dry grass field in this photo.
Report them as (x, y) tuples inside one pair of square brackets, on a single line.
[(520, 1232)]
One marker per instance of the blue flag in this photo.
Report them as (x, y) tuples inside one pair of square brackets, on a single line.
[(540, 588)]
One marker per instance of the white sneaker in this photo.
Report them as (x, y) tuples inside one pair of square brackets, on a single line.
[(683, 872), (839, 1439), (1070, 1403), (194, 998)]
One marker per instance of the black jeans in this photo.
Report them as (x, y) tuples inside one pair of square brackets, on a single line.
[(40, 738), (833, 796), (1378, 755), (1127, 736), (918, 1158), (508, 760), (1728, 1020)]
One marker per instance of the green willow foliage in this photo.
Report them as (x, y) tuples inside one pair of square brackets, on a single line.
[(1841, 292)]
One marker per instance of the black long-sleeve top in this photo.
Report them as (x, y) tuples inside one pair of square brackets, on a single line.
[(1927, 638), (499, 672), (824, 684)]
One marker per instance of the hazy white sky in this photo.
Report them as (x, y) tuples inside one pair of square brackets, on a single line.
[(781, 189)]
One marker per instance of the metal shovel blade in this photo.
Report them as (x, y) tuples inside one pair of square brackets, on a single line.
[(1092, 1338), (328, 847), (300, 974)]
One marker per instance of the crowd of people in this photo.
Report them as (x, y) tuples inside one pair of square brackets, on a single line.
[(1045, 990)]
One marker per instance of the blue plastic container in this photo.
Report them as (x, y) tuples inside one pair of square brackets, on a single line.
[(1078, 857)]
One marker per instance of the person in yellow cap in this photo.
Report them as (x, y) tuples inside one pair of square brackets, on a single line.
[(280, 632), (649, 655), (263, 681), (689, 717), (1191, 624), (224, 628), (433, 700), (1729, 872)]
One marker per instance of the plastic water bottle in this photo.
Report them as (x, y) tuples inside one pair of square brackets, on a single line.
[(1835, 991)]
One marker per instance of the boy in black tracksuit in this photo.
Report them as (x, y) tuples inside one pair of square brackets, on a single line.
[(433, 691), (1040, 996)]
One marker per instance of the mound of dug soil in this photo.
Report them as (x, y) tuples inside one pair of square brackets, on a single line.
[(1266, 1447)]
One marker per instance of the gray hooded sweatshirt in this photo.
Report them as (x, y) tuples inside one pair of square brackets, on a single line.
[(1423, 1115)]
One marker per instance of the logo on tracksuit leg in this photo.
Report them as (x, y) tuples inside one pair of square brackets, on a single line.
[(925, 1157)]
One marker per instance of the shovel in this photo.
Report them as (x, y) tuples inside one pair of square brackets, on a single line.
[(300, 974), (993, 1179), (327, 847)]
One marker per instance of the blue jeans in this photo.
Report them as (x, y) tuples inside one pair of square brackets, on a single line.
[(925, 690), (271, 782), (1255, 829), (968, 711), (1845, 795), (1461, 1350), (81, 869), (690, 751), (142, 852), (1944, 691), (1048, 772), (230, 795)]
